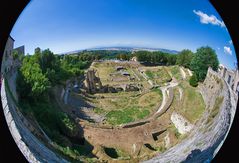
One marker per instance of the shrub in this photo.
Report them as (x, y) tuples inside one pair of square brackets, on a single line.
[(193, 81), (67, 125)]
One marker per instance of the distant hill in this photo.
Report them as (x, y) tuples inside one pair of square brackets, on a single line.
[(125, 49), (136, 49)]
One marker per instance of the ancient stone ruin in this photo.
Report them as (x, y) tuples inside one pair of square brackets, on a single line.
[(93, 83)]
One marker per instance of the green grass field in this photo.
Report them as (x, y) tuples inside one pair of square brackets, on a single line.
[(158, 74), (125, 107)]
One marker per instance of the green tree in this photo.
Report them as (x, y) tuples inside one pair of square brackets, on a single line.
[(122, 56), (193, 81), (171, 59), (184, 58), (205, 57), (22, 87), (48, 60), (37, 50), (33, 76), (67, 125)]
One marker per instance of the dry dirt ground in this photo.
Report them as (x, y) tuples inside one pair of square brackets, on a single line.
[(129, 140)]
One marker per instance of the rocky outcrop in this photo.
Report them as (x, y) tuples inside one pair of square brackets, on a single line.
[(210, 131)]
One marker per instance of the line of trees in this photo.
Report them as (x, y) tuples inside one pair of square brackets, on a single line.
[(198, 62), (90, 55), (156, 57)]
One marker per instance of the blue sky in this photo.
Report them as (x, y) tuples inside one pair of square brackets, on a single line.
[(63, 25)]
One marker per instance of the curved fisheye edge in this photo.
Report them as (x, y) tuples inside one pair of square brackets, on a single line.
[(25, 150), (236, 102)]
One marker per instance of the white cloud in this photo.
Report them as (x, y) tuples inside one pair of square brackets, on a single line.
[(230, 42), (206, 19), (227, 50)]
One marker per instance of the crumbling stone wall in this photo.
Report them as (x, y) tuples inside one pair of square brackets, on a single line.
[(93, 82), (205, 138)]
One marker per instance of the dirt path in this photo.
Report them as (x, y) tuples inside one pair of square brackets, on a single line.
[(130, 140), (183, 73), (164, 89)]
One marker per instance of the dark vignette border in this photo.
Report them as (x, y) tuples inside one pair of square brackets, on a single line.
[(229, 12), (9, 12), (11, 9)]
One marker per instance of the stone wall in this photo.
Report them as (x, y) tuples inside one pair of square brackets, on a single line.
[(7, 59), (205, 138), (33, 149)]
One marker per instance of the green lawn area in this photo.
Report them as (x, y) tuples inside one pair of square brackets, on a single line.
[(158, 74), (127, 115), (125, 107), (150, 74), (192, 105)]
